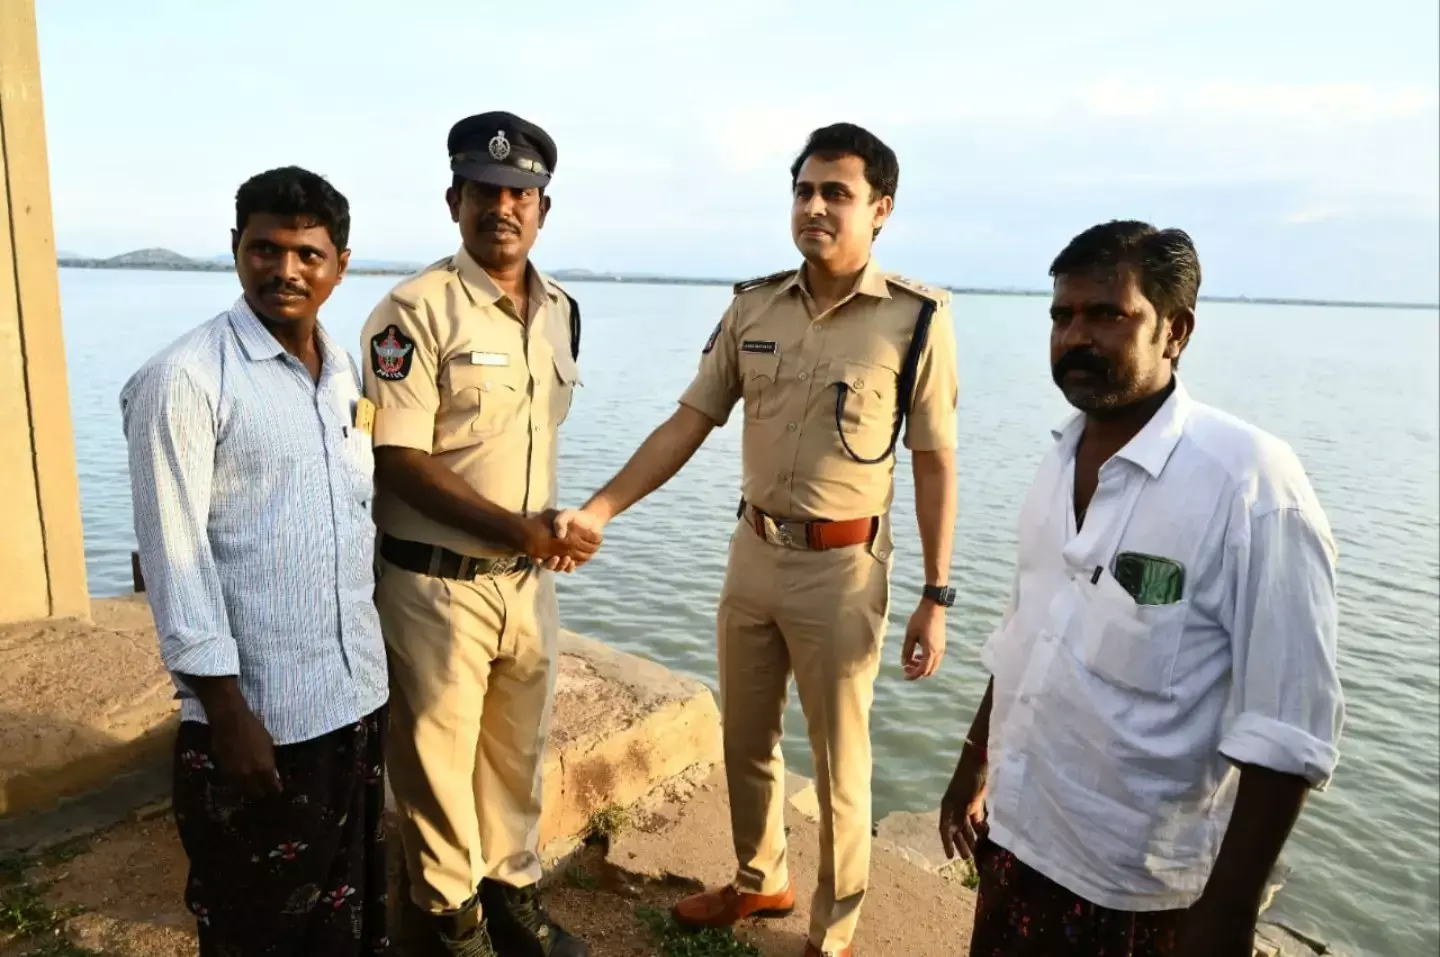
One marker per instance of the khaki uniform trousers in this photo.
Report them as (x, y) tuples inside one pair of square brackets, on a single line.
[(822, 615), (472, 690)]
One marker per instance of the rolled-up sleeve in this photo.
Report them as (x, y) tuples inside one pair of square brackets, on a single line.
[(169, 424), (1287, 703)]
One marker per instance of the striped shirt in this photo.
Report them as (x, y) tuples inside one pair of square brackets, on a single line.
[(252, 489)]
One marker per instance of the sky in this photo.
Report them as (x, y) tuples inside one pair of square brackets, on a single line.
[(1297, 142)]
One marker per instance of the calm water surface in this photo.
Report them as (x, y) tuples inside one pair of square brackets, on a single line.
[(1356, 392)]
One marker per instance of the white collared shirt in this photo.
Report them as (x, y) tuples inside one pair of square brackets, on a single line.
[(251, 491), (1115, 724)]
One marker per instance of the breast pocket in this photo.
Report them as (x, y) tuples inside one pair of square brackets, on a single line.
[(1128, 644), (869, 397), (567, 376), (759, 375), (490, 397)]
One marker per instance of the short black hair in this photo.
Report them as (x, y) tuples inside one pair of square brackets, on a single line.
[(1164, 260), (295, 193), (882, 169)]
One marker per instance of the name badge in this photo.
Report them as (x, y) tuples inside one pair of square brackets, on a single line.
[(763, 347), (364, 415), (489, 359)]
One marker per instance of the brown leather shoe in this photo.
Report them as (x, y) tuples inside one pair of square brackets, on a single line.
[(724, 906), (812, 951)]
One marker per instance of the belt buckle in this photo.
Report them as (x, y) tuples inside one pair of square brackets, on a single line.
[(778, 533), (501, 566)]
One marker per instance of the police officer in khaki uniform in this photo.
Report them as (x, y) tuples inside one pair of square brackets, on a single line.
[(471, 366), (825, 358)]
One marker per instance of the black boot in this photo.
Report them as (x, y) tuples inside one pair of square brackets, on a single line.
[(519, 925), (463, 933)]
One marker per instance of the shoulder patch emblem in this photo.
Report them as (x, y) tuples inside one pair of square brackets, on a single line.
[(710, 343), (391, 354)]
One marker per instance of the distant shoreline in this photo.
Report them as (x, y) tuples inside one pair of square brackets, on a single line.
[(564, 275)]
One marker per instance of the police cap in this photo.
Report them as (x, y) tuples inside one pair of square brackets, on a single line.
[(503, 150)]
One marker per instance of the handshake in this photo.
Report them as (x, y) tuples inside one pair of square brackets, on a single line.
[(563, 540)]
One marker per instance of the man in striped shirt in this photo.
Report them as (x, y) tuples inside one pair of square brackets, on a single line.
[(252, 474)]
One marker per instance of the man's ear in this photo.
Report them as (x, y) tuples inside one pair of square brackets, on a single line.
[(1182, 326), (544, 208), (452, 200), (344, 265), (234, 244)]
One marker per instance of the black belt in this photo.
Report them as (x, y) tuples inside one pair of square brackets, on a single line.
[(439, 562)]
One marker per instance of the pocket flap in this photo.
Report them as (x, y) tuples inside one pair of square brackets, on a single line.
[(864, 377), (566, 368), (760, 366)]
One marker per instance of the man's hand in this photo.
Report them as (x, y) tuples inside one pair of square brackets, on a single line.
[(244, 752), (555, 549), (576, 525), (926, 634), (962, 809)]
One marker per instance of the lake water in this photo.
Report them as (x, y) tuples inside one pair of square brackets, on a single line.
[(1357, 392)]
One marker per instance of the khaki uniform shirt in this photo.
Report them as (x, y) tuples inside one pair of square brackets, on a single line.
[(454, 371), (786, 363)]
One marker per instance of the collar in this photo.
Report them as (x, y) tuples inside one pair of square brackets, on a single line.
[(1150, 448), (254, 338), (482, 289), (261, 346), (871, 283)]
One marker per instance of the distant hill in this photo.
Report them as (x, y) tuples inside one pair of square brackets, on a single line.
[(158, 258), (154, 258), (168, 259)]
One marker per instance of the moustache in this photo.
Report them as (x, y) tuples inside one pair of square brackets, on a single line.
[(283, 286), (496, 224), (1080, 360), (816, 224)]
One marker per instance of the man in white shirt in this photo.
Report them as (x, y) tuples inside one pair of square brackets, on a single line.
[(1164, 690)]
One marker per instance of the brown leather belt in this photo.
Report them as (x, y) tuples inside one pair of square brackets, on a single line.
[(818, 535), (439, 562)]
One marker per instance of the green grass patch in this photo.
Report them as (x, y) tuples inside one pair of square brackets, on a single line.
[(24, 914), (607, 822), (677, 941)]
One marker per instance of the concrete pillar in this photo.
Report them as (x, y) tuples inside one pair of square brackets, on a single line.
[(42, 548)]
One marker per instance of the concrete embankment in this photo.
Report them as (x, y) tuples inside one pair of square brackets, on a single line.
[(635, 812)]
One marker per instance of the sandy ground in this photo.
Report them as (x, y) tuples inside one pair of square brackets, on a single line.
[(128, 882)]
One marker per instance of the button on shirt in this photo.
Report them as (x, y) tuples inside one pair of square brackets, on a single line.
[(252, 491), (1114, 724), (786, 361), (481, 389)]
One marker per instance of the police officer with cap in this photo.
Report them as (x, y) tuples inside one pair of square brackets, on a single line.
[(471, 365)]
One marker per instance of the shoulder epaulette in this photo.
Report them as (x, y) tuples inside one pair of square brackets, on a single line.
[(933, 293), (756, 283), (426, 281)]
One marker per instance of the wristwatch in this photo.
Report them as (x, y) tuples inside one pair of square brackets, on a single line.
[(942, 595)]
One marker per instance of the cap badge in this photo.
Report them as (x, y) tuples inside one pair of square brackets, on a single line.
[(499, 146)]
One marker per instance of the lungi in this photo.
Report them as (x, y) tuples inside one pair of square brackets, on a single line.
[(1021, 913), (301, 873)]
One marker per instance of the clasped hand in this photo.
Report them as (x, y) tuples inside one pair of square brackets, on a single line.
[(565, 540)]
